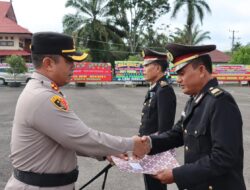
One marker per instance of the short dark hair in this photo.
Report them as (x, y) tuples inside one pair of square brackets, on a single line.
[(163, 64), (203, 60), (37, 59)]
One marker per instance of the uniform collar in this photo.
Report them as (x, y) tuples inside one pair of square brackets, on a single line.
[(46, 81), (40, 77), (211, 83), (157, 82)]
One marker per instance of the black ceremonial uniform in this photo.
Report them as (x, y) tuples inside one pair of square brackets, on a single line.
[(158, 116), (158, 112), (211, 131)]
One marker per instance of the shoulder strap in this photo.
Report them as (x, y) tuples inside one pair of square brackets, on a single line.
[(215, 91)]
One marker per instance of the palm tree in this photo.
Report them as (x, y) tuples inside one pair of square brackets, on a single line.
[(182, 36), (92, 27), (193, 7)]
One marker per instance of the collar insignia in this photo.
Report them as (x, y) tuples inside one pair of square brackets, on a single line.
[(197, 100), (54, 86)]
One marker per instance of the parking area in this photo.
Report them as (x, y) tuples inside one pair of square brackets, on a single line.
[(114, 109)]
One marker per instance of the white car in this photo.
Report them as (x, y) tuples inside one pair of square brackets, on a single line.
[(7, 78)]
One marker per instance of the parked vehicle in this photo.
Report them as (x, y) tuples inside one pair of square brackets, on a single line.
[(6, 78)]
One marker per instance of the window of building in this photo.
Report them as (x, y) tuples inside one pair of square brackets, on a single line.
[(6, 43)]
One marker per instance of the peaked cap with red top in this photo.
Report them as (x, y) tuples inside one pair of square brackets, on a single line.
[(151, 56), (181, 55)]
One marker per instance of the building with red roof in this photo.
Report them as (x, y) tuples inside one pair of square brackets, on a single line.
[(219, 57), (14, 39)]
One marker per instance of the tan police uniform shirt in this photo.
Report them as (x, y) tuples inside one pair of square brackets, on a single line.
[(47, 135)]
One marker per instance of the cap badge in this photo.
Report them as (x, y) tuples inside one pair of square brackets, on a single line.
[(170, 56), (143, 54)]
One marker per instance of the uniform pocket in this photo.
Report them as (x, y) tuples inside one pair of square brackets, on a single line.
[(200, 139)]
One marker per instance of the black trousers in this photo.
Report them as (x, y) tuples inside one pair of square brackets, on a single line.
[(153, 184)]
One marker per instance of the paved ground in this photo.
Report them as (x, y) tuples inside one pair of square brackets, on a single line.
[(113, 109)]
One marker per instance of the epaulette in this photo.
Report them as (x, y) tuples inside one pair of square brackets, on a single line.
[(215, 91), (163, 83)]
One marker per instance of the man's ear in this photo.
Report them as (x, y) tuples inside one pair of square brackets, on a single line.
[(48, 63), (202, 70), (158, 68)]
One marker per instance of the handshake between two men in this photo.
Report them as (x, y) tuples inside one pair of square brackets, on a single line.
[(142, 146)]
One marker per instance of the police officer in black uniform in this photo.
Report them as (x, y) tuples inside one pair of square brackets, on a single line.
[(210, 128), (159, 106)]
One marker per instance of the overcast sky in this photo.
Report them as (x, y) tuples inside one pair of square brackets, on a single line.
[(227, 16)]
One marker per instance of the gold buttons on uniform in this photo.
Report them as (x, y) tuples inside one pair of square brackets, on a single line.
[(195, 132), (186, 148), (185, 131), (210, 187), (142, 114), (145, 104)]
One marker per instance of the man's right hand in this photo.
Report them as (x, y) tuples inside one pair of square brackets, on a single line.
[(141, 146)]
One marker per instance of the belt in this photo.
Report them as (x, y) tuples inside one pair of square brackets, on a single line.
[(45, 179)]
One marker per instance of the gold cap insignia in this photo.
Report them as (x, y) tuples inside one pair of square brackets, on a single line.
[(170, 56)]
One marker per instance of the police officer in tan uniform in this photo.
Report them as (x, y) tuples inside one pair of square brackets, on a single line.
[(47, 135)]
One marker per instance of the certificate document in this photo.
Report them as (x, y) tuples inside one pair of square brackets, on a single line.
[(150, 164)]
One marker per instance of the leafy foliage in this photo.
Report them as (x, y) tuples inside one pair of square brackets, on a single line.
[(241, 56), (135, 16), (183, 36), (193, 7), (17, 64), (92, 27), (154, 40)]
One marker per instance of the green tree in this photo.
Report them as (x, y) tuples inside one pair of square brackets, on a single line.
[(17, 66), (135, 58), (236, 46), (92, 27), (154, 40), (241, 56), (183, 36), (193, 7), (135, 16)]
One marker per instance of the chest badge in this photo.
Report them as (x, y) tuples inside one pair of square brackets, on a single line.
[(60, 103)]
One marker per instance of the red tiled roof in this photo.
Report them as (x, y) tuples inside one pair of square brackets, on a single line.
[(14, 52), (7, 24), (219, 57)]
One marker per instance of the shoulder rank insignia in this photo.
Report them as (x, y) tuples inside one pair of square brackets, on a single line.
[(60, 103), (215, 91), (163, 83)]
